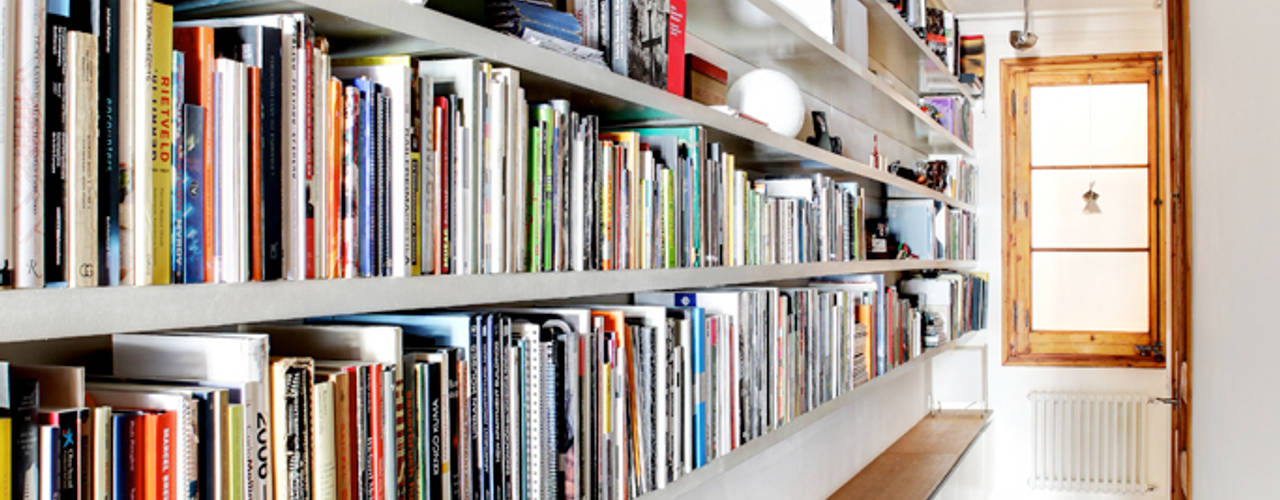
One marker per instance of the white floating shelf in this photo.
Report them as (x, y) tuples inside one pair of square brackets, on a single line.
[(48, 313)]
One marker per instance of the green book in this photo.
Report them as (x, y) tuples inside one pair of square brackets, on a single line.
[(535, 190)]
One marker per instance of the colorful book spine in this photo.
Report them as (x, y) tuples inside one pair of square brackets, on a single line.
[(193, 192), (350, 180), (177, 204), (257, 199), (161, 142), (364, 154)]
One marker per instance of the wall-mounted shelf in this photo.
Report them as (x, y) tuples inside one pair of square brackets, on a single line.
[(358, 28), (901, 50), (763, 444), (789, 42), (67, 312)]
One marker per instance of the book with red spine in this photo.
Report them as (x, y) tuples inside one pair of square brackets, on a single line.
[(675, 46), (256, 256)]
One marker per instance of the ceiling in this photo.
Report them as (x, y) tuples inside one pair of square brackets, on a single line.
[(993, 6)]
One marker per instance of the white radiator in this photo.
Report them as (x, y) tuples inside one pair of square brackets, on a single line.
[(1084, 442)]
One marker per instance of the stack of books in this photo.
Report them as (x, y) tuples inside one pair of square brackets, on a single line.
[(237, 149), (567, 401)]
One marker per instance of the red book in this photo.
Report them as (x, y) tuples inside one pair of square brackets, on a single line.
[(675, 47), (442, 129), (309, 106), (167, 454), (256, 260), (375, 429), (197, 43)]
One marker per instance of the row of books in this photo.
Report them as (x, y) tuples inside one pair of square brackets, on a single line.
[(640, 39), (569, 401), (926, 229), (236, 149)]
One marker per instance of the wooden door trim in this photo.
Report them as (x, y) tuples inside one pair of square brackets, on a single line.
[(1180, 232)]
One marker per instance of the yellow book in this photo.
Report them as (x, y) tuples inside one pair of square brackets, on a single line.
[(234, 447), (161, 142), (6, 452)]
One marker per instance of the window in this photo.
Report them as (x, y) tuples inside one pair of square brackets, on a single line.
[(1082, 211)]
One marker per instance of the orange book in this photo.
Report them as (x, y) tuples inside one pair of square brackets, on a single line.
[(344, 456), (197, 43), (150, 446), (336, 163), (256, 258)]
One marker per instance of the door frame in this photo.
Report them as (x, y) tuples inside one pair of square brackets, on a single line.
[(1177, 65)]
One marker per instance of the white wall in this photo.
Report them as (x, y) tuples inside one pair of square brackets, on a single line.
[(1234, 269), (1008, 452)]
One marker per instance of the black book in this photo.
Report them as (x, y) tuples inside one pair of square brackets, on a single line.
[(454, 405), (381, 230), (364, 433), (107, 28), (435, 415), (70, 425), (24, 398), (55, 147)]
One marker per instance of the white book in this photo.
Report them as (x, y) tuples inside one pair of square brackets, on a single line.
[(495, 174), (234, 361), (140, 175), (516, 126), (28, 144), (318, 182), (48, 448), (225, 164), (427, 174), (390, 394), (324, 478), (81, 119), (295, 29), (240, 193), (8, 32)]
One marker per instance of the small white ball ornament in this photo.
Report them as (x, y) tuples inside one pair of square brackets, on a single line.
[(769, 96)]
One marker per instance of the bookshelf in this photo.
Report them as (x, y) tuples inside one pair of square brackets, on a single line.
[(97, 310), (708, 473), (896, 45), (794, 47), (378, 27)]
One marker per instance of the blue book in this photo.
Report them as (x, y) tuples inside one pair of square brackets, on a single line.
[(193, 192), (177, 205), (697, 353), (364, 158), (420, 330), (122, 430)]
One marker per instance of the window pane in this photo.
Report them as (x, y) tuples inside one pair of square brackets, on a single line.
[(1089, 291), (1089, 124), (1057, 208)]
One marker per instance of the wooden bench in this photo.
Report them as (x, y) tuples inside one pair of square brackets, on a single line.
[(915, 465)]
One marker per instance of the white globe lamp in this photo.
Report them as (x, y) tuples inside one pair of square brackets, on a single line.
[(769, 96)]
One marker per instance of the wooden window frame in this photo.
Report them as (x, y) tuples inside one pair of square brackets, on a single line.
[(1022, 346)]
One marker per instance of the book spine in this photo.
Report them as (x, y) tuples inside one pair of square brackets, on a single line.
[(365, 192), (141, 176), (306, 67), (161, 133), (273, 174), (257, 196), (28, 145), (319, 87), (337, 159), (81, 200), (194, 193), (675, 46), (177, 204), (350, 180), (8, 33), (55, 147)]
